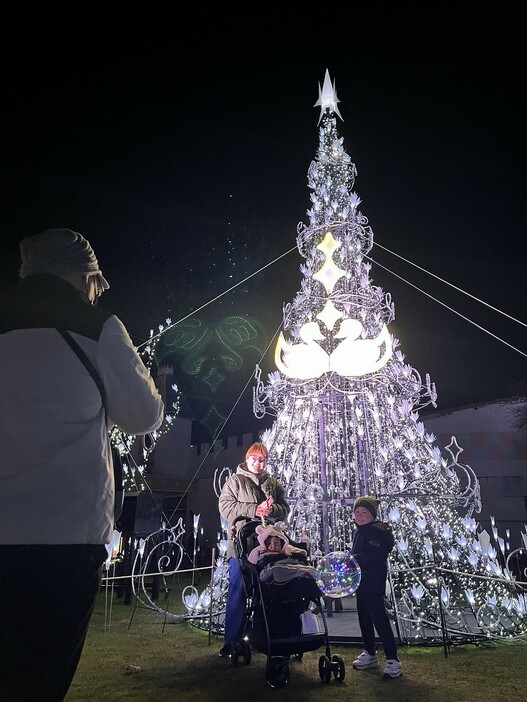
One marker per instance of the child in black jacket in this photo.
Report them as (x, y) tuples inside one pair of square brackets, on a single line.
[(372, 543)]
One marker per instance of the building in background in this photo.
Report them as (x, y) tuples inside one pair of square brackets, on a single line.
[(493, 437)]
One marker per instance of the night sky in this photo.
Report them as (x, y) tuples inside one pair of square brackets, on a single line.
[(179, 146)]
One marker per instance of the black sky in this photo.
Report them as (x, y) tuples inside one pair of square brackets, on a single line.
[(159, 136)]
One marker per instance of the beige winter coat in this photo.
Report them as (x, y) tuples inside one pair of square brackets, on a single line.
[(243, 492)]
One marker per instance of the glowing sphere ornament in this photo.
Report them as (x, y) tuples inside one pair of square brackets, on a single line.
[(339, 574)]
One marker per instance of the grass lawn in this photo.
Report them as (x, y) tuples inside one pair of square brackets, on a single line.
[(172, 660)]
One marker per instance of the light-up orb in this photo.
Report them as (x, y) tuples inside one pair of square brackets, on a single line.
[(338, 574)]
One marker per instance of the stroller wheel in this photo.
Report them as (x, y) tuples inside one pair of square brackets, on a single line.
[(277, 673), (338, 667), (234, 654), (324, 669)]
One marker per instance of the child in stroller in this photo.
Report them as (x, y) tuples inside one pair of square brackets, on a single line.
[(280, 562), (272, 539), (281, 586)]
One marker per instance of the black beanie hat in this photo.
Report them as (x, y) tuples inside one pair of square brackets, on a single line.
[(369, 503)]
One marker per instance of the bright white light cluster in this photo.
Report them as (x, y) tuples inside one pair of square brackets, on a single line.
[(338, 434)]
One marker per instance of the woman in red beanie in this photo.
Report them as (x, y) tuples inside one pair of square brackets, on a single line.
[(250, 492)]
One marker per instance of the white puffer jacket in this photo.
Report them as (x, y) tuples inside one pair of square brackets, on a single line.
[(56, 477)]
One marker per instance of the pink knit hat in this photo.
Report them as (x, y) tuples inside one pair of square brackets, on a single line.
[(264, 532)]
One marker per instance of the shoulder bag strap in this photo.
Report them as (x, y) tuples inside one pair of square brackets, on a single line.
[(84, 358), (116, 456)]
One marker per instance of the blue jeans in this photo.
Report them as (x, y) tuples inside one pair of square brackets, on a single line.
[(236, 604)]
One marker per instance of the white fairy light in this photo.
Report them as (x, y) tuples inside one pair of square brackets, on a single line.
[(428, 546), (417, 593), (394, 514), (445, 595), (473, 559), (402, 545), (470, 597), (461, 540), (447, 531)]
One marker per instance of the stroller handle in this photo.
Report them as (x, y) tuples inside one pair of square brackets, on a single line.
[(266, 521), (261, 520)]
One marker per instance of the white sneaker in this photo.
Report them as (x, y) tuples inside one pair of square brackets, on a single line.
[(393, 668), (365, 660)]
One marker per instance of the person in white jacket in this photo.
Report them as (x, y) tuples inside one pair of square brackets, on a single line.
[(56, 475)]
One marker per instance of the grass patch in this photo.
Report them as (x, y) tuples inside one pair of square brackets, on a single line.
[(178, 661)]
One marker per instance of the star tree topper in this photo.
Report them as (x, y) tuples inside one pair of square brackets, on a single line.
[(327, 97)]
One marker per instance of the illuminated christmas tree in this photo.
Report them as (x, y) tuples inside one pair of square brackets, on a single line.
[(346, 406)]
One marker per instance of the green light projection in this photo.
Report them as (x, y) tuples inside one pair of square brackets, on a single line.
[(205, 355)]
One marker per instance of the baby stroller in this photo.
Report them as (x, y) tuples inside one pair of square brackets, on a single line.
[(276, 609)]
